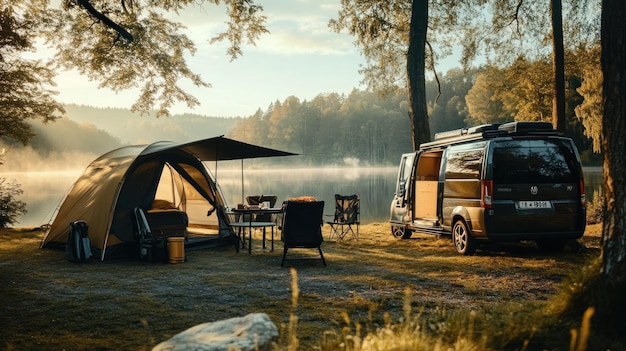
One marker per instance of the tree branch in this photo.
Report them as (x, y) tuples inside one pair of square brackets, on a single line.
[(104, 19), (432, 67)]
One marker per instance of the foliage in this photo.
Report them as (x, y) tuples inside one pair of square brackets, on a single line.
[(333, 129), (520, 92), (372, 129), (447, 108), (128, 44), (585, 292), (397, 40), (590, 111), (121, 44), (503, 31), (595, 208), (482, 100), (10, 207), (381, 29), (23, 83)]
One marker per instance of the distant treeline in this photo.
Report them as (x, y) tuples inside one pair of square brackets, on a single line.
[(87, 132), (362, 128), (368, 129), (333, 129), (131, 128)]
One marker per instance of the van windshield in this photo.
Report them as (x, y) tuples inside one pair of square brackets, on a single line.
[(534, 161)]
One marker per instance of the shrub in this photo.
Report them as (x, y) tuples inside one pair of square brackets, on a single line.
[(595, 208), (10, 208)]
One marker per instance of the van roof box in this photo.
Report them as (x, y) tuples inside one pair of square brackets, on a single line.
[(521, 128)]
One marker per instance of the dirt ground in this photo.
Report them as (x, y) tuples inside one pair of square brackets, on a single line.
[(52, 304)]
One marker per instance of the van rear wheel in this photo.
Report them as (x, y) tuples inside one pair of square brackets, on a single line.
[(463, 242), (401, 232)]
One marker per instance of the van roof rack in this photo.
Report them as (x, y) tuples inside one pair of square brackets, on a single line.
[(493, 130), (465, 134), (466, 131)]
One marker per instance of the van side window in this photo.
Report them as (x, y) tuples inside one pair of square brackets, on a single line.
[(464, 164)]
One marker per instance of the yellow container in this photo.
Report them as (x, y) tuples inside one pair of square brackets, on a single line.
[(176, 247)]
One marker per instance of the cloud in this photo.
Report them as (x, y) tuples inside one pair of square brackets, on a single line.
[(300, 57), (296, 28)]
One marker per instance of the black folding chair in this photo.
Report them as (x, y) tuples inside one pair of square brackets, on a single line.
[(302, 228), (347, 214)]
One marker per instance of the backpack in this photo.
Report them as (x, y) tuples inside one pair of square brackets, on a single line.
[(78, 248)]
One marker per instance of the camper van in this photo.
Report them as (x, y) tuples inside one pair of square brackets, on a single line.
[(509, 182)]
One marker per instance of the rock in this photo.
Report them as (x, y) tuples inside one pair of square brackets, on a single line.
[(239, 333)]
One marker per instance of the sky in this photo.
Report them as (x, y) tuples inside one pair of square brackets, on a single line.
[(300, 57)]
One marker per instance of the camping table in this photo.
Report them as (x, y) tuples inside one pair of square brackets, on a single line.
[(251, 224)]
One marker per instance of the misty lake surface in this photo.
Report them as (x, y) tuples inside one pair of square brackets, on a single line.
[(44, 191)]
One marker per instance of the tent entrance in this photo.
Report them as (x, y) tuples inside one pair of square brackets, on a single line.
[(183, 187)]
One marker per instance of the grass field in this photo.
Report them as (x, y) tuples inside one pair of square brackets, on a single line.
[(498, 299)]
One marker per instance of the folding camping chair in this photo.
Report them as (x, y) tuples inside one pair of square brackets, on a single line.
[(302, 228), (347, 215), (144, 235)]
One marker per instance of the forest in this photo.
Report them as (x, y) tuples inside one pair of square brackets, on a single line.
[(367, 129), (362, 128)]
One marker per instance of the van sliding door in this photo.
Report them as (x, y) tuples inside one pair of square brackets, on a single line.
[(425, 185)]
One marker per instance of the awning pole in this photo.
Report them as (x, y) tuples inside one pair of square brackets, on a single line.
[(242, 196)]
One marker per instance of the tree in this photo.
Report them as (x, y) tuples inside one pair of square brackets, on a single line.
[(558, 66), (416, 77), (613, 36), (392, 35), (520, 92), (604, 292), (124, 44), (121, 44), (447, 108), (590, 111), (520, 29), (482, 103), (23, 92), (10, 207)]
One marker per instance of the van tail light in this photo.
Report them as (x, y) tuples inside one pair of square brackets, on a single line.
[(583, 200), (485, 193)]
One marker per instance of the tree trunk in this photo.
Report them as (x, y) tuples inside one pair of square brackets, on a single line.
[(558, 67), (613, 38), (415, 67)]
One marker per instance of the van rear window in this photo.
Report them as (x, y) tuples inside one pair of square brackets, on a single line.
[(534, 161)]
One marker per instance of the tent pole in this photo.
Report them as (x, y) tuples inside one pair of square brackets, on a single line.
[(242, 196)]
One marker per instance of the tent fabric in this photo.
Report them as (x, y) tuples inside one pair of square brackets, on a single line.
[(115, 183)]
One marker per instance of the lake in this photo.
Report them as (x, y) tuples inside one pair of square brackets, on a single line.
[(44, 191)]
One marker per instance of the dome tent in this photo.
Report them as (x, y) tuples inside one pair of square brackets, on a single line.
[(131, 177)]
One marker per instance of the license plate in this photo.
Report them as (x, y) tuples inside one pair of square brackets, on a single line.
[(531, 205)]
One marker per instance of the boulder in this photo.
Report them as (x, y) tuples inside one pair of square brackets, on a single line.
[(248, 333)]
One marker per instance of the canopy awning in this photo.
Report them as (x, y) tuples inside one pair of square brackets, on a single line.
[(219, 149)]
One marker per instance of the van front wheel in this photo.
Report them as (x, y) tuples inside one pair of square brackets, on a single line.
[(463, 242), (401, 232)]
